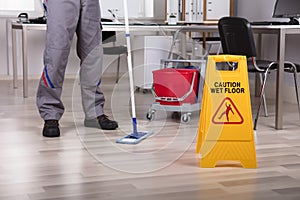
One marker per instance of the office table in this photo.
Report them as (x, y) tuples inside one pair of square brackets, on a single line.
[(106, 27), (280, 30), (42, 27)]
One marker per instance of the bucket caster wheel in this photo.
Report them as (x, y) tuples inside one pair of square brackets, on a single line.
[(176, 115), (150, 115), (137, 89), (186, 118)]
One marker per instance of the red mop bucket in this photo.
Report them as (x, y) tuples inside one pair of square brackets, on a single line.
[(175, 86)]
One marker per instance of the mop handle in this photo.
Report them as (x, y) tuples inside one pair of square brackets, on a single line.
[(129, 60)]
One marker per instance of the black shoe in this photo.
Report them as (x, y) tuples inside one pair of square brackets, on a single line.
[(107, 124), (51, 128), (101, 122)]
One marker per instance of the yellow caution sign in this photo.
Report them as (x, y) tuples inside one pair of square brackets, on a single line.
[(225, 127)]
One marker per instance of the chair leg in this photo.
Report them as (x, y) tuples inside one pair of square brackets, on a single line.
[(264, 97), (219, 48), (118, 69), (262, 91), (297, 93)]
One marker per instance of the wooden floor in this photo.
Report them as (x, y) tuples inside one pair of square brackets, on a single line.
[(86, 163)]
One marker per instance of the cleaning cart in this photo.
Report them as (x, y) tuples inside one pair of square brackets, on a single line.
[(177, 89)]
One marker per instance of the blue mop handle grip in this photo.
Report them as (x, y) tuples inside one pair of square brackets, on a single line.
[(134, 124)]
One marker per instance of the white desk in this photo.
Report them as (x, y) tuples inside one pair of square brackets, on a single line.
[(281, 30), (106, 27), (42, 27)]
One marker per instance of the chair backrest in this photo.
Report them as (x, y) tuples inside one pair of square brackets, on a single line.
[(108, 36), (236, 36)]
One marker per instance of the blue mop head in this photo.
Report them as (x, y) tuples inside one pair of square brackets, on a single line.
[(134, 138)]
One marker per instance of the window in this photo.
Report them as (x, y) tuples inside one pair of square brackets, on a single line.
[(14, 7), (19, 5)]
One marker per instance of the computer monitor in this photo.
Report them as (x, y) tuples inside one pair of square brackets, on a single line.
[(287, 9)]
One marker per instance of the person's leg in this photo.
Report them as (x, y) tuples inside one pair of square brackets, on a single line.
[(62, 18), (90, 51)]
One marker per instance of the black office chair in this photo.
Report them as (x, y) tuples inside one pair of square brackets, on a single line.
[(237, 39), (110, 37)]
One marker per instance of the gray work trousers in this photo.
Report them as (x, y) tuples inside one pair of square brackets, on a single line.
[(64, 19)]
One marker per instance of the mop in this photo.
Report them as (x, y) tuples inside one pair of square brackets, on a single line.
[(134, 137)]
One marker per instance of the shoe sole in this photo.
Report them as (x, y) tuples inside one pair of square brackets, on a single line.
[(51, 133), (93, 123)]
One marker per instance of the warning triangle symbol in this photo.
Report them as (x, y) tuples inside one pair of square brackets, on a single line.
[(227, 113)]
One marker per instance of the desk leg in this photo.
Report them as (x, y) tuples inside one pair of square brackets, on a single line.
[(14, 58), (25, 63), (260, 56), (280, 75), (183, 45)]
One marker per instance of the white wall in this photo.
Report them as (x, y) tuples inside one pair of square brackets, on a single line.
[(12, 8), (136, 8), (255, 10), (3, 52)]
